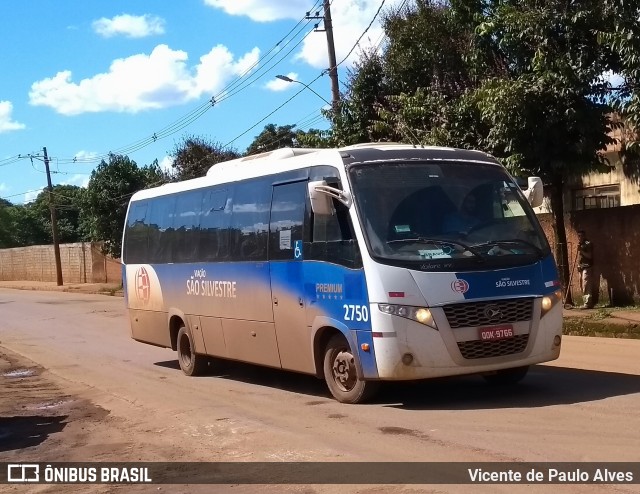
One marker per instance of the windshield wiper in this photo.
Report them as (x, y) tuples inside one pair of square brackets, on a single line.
[(437, 242), (512, 242)]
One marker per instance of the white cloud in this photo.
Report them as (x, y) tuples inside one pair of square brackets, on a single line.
[(85, 156), (131, 26), (6, 122), (142, 82), (166, 163), (279, 84), (263, 10), (79, 179), (349, 19), (3, 187), (31, 195)]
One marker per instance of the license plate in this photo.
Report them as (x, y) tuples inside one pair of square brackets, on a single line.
[(496, 332)]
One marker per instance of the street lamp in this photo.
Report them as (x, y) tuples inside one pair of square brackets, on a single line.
[(289, 79)]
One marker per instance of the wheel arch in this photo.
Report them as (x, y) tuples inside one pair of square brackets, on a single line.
[(176, 319), (323, 329)]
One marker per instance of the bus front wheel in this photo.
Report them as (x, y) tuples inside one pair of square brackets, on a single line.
[(190, 363), (341, 375)]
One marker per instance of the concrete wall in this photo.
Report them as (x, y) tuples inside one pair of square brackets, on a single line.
[(81, 263), (615, 233)]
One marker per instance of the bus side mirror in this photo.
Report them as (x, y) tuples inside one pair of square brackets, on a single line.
[(321, 194), (534, 193)]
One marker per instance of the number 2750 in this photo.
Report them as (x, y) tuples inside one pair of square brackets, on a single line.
[(356, 312)]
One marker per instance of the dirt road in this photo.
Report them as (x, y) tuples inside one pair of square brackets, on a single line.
[(75, 387)]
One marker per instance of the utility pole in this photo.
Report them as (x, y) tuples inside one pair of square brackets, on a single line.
[(54, 221), (333, 66)]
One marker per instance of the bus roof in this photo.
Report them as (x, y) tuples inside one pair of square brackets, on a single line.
[(285, 159)]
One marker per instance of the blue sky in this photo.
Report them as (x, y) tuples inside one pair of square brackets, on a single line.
[(85, 78)]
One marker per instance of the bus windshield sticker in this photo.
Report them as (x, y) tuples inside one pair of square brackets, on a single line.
[(402, 228), (435, 253), (285, 239), (297, 253)]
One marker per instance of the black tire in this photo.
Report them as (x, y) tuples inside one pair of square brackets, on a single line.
[(341, 376), (190, 363), (507, 376)]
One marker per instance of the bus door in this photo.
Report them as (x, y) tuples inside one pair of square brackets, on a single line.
[(286, 255)]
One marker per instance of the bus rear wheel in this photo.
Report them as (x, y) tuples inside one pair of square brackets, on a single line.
[(190, 363), (341, 376), (507, 376)]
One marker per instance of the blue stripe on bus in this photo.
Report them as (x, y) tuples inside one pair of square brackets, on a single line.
[(516, 281)]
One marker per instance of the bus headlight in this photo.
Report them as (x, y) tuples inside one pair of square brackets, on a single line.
[(549, 302), (418, 314)]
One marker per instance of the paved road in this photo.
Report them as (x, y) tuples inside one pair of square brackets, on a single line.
[(123, 400)]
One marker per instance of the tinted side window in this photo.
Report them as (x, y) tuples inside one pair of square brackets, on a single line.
[(161, 231), (186, 226), (287, 219), (214, 226), (250, 220), (333, 240), (136, 235)]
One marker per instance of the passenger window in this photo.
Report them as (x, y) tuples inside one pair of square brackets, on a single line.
[(161, 231), (186, 226), (136, 238), (214, 226), (250, 220)]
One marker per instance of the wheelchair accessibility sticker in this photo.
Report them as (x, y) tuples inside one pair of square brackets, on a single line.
[(297, 251)]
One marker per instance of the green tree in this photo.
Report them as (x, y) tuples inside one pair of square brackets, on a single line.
[(107, 197), (273, 137), (194, 156), (521, 80), (6, 223), (354, 120), (68, 201), (25, 226), (315, 138)]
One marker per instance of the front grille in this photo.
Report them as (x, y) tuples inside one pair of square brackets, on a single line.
[(484, 349), (474, 314)]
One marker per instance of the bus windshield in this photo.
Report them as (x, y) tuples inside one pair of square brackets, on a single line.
[(445, 216)]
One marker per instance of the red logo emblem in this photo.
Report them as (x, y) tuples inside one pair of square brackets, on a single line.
[(143, 287), (460, 286)]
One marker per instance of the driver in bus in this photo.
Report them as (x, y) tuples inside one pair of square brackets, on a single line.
[(463, 219)]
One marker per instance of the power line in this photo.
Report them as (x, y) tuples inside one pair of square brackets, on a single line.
[(271, 113), (198, 112), (363, 33)]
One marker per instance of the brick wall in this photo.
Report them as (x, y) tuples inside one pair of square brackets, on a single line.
[(615, 234), (81, 262)]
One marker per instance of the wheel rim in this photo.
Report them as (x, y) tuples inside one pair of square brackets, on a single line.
[(344, 370), (185, 351)]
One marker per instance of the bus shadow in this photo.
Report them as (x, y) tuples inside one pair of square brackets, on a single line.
[(261, 376), (543, 386)]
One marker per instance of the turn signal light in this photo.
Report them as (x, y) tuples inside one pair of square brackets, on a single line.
[(549, 302)]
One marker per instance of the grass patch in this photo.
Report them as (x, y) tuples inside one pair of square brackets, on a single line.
[(112, 290), (592, 327)]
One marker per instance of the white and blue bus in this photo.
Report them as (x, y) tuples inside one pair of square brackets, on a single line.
[(370, 263)]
